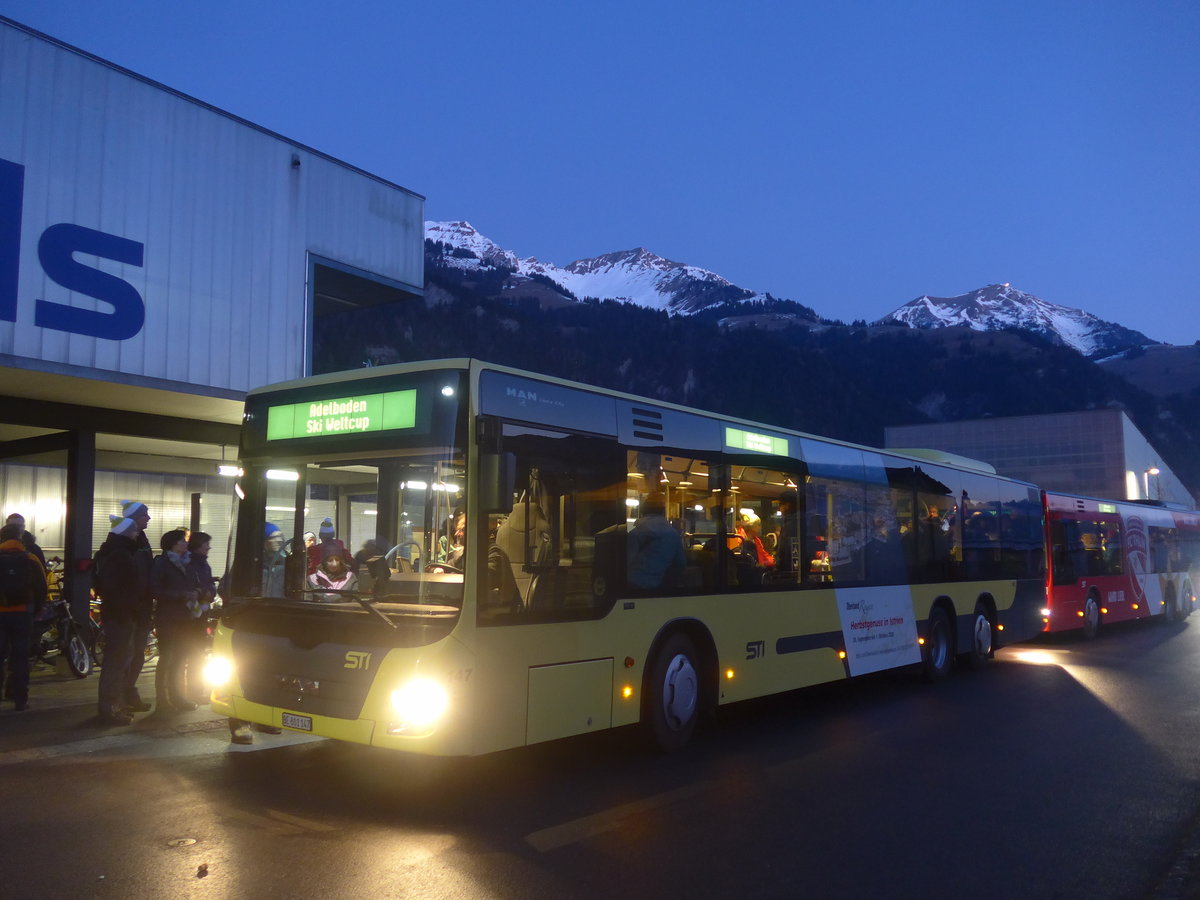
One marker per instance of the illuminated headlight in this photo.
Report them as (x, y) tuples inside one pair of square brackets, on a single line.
[(1046, 613), (218, 671), (418, 706)]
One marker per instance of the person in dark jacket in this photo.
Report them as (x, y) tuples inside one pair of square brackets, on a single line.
[(144, 618), (121, 585), (178, 605), (199, 545), (30, 542), (31, 546), (16, 612)]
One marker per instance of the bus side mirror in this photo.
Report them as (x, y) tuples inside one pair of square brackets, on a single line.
[(497, 475)]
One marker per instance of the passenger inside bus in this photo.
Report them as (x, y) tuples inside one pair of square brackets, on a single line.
[(654, 549)]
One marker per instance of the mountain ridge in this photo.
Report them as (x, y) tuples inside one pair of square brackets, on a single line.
[(642, 277)]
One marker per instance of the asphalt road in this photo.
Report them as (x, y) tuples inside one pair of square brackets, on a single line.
[(1063, 769)]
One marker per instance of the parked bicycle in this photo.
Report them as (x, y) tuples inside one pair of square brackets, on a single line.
[(55, 631)]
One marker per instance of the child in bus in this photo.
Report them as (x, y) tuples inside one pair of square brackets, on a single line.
[(332, 576)]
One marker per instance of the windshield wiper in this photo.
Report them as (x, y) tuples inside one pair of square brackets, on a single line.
[(360, 598)]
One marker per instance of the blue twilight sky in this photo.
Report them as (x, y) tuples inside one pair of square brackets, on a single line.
[(848, 154)]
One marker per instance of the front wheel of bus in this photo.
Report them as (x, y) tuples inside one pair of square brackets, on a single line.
[(939, 645), (1091, 617), (673, 694)]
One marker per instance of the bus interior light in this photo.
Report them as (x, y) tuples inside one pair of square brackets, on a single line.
[(282, 475)]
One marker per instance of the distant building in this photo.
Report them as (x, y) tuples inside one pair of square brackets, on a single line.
[(1099, 453), (159, 258)]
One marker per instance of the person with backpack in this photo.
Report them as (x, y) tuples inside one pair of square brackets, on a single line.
[(22, 590), (31, 546), (122, 584)]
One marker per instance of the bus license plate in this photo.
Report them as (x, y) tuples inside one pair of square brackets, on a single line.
[(304, 723)]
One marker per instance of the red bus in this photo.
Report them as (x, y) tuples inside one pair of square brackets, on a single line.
[(1113, 561)]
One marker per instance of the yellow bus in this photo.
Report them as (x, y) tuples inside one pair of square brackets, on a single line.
[(510, 558)]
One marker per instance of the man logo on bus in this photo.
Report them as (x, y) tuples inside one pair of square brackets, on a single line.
[(523, 396), (357, 659)]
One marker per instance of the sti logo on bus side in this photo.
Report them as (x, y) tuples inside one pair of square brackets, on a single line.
[(56, 249)]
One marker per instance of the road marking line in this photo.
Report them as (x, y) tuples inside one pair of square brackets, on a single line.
[(582, 828), (87, 745), (299, 822), (271, 826)]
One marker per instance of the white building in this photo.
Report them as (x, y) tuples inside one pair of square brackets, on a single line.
[(158, 258)]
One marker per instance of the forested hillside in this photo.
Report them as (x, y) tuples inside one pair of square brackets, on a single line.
[(847, 382)]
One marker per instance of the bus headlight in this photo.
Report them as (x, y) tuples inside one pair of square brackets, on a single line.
[(419, 706), (218, 672)]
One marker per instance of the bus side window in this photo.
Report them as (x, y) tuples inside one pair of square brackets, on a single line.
[(552, 558), (836, 534), (664, 497)]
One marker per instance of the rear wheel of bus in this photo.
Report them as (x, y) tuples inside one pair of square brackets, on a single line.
[(674, 692), (1091, 617), (983, 631)]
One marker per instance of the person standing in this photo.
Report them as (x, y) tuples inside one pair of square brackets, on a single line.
[(30, 542), (143, 557), (176, 595), (199, 545), (22, 590), (273, 568), (31, 546), (121, 584)]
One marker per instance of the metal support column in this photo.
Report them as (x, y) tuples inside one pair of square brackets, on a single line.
[(77, 542)]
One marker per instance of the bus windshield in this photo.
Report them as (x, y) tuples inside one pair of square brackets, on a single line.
[(387, 531)]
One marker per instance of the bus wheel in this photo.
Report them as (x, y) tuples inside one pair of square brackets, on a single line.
[(939, 645), (981, 637), (1091, 617), (1170, 610), (673, 694)]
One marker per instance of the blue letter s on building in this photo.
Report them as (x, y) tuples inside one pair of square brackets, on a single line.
[(56, 249)]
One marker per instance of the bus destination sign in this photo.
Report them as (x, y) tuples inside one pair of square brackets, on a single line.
[(758, 443), (343, 415)]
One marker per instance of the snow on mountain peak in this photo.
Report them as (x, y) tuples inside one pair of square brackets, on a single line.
[(999, 306), (637, 275)]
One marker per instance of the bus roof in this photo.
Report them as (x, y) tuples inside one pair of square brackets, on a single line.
[(475, 366)]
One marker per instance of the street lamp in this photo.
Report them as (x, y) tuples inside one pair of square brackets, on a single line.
[(1153, 470)]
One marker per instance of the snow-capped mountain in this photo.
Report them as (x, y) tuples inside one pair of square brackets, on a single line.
[(638, 276), (1000, 306)]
